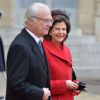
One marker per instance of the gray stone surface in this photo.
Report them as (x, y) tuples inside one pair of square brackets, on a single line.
[(2, 84), (87, 96)]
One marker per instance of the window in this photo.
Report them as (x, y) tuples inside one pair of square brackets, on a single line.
[(64, 4), (26, 3)]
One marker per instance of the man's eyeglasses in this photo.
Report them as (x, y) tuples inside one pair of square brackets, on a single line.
[(45, 20)]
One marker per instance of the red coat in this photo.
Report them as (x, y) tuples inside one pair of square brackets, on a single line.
[(60, 63)]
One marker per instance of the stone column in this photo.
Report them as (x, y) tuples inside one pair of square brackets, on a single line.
[(86, 16), (97, 20), (7, 22), (7, 6)]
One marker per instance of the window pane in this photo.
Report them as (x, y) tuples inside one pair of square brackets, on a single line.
[(64, 3), (70, 6), (25, 3), (21, 8)]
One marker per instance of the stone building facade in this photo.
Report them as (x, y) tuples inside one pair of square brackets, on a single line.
[(89, 17), (87, 14), (84, 40)]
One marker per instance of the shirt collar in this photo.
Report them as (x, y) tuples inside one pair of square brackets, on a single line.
[(33, 35)]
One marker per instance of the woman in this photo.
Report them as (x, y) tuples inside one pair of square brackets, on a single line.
[(59, 58)]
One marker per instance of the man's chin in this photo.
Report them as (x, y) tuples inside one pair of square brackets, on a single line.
[(46, 33)]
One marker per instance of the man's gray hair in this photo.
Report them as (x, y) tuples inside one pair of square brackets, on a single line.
[(33, 9)]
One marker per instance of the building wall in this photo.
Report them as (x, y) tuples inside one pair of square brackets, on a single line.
[(88, 15), (8, 8), (97, 20), (86, 12)]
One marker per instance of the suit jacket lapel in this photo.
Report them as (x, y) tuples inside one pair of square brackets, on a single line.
[(38, 53), (34, 46)]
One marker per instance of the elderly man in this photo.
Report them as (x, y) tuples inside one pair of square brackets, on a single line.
[(27, 67)]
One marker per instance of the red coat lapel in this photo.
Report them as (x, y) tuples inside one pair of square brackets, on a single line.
[(63, 54)]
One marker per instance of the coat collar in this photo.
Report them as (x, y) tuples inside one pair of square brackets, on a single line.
[(63, 53)]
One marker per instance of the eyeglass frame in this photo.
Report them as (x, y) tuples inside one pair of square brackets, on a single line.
[(45, 20)]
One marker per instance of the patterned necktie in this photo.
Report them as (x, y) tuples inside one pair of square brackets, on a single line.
[(40, 46)]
